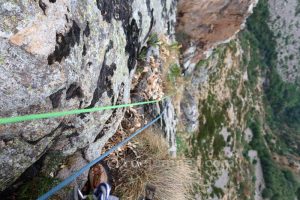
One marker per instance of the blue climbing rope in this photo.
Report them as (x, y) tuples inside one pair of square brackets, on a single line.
[(89, 165)]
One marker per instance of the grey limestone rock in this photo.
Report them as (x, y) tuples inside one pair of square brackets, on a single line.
[(69, 54)]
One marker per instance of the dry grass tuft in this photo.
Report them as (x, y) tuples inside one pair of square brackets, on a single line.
[(152, 164)]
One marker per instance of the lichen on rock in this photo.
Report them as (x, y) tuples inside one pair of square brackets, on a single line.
[(62, 55)]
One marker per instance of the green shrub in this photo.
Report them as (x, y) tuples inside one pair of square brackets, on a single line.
[(279, 183), (267, 193), (298, 193)]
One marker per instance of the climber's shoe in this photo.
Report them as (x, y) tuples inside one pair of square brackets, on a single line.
[(97, 175)]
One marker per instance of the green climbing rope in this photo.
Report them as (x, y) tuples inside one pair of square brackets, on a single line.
[(9, 120)]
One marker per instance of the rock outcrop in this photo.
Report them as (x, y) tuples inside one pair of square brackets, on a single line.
[(202, 25), (215, 113), (61, 55)]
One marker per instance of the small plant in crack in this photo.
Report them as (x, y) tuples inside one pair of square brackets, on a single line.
[(153, 40), (175, 72), (143, 54), (175, 46), (139, 69)]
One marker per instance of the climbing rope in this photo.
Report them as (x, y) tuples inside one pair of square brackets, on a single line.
[(8, 120), (89, 165)]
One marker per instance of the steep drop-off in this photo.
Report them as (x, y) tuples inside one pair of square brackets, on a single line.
[(228, 101)]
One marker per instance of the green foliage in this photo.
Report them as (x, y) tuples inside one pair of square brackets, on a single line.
[(255, 63), (182, 147), (298, 193), (182, 36), (175, 45), (267, 193), (232, 46), (143, 54), (218, 144), (202, 63), (283, 98), (175, 72), (217, 191), (258, 26), (36, 187), (280, 184), (153, 40), (213, 115), (282, 103)]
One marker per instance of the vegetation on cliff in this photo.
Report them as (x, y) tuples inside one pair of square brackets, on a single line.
[(282, 98), (282, 106)]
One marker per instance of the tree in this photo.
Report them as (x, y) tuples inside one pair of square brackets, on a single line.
[(267, 193), (298, 193)]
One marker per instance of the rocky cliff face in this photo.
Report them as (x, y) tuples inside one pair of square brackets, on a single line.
[(61, 55), (237, 102), (215, 116), (220, 96), (284, 22), (202, 25)]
